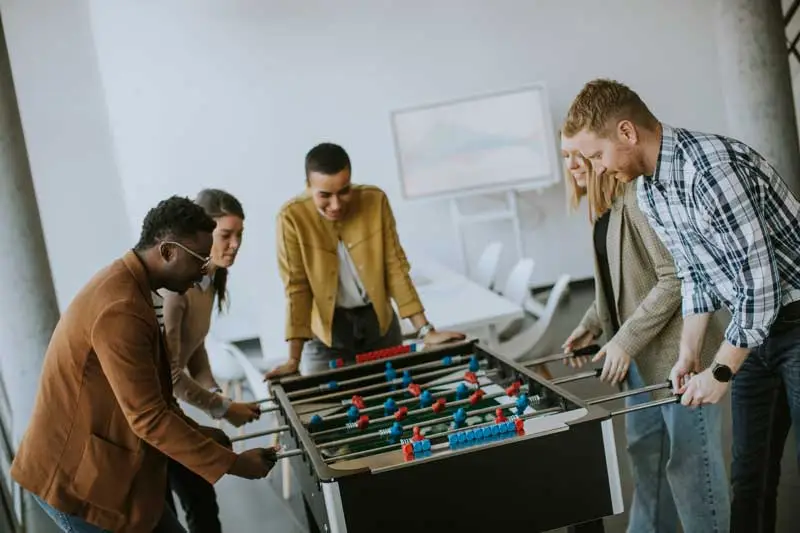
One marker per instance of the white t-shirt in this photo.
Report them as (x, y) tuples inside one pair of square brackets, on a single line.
[(351, 291)]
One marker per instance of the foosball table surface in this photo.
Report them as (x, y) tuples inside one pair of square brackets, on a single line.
[(443, 432)]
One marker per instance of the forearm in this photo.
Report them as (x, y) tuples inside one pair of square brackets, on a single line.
[(693, 333), (731, 355), (296, 349), (194, 393), (200, 369), (418, 320)]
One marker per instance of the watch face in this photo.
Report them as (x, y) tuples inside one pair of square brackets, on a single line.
[(722, 373)]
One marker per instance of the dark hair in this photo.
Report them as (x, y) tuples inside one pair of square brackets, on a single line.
[(173, 218), (218, 203), (327, 158)]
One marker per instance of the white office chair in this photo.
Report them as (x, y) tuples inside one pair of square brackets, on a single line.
[(228, 373), (527, 343), (517, 287), (517, 290), (486, 267)]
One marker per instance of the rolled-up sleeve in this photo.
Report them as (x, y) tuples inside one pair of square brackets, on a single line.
[(735, 223)]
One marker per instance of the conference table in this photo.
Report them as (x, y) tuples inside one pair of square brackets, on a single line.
[(454, 302)]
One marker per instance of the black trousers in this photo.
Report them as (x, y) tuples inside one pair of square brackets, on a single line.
[(354, 331), (197, 496)]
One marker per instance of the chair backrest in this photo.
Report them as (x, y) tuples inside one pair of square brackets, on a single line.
[(529, 341), (517, 288), (486, 267), (223, 365), (255, 380)]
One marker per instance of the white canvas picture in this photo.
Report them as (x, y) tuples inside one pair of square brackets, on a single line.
[(490, 142)]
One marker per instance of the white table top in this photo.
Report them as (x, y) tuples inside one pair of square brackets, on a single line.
[(454, 302)]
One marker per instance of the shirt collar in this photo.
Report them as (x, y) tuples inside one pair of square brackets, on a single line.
[(158, 300), (666, 154)]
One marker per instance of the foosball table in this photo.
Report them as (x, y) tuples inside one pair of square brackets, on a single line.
[(452, 438)]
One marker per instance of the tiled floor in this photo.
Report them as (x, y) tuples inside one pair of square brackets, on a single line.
[(256, 506)]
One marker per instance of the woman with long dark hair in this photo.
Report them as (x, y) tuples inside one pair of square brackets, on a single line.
[(187, 319)]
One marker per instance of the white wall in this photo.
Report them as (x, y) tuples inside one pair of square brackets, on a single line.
[(232, 94), (65, 122)]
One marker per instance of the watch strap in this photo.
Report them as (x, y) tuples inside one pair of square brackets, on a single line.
[(424, 330)]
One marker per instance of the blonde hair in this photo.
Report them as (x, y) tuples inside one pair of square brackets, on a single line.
[(601, 105), (599, 193)]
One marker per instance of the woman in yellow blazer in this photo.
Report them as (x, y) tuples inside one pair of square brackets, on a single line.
[(676, 453), (342, 264)]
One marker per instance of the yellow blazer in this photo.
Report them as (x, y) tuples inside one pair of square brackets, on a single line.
[(309, 265), (646, 294)]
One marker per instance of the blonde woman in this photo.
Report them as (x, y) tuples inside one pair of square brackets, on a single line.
[(676, 453)]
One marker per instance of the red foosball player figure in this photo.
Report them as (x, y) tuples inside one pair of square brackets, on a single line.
[(416, 434), (401, 413), (358, 401), (408, 452), (476, 396), (470, 377), (499, 417), (513, 389), (439, 405)]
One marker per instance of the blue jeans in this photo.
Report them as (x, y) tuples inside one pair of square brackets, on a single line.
[(765, 404), (678, 466), (72, 524)]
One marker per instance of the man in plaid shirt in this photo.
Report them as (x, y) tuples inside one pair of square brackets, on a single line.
[(733, 228)]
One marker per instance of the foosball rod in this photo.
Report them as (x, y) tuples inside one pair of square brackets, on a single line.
[(401, 403), (447, 361), (420, 411), (585, 351), (279, 429), (426, 423), (630, 392), (396, 381), (391, 447), (382, 395), (577, 377), (663, 401), (265, 400)]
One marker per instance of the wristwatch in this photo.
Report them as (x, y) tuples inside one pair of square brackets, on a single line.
[(721, 373), (424, 330)]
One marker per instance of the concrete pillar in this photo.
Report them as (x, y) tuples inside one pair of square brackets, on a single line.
[(756, 82), (30, 311)]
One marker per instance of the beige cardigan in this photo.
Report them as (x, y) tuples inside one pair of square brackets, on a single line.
[(187, 319), (646, 295)]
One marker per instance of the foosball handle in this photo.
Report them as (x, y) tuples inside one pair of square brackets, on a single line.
[(675, 398), (586, 350)]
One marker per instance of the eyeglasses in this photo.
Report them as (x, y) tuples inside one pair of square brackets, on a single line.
[(205, 261)]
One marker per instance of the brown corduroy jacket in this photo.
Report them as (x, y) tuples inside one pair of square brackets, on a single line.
[(105, 415)]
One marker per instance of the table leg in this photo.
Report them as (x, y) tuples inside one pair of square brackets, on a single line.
[(493, 337), (595, 526), (312, 523)]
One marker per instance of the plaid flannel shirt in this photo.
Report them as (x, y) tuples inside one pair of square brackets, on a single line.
[(732, 226)]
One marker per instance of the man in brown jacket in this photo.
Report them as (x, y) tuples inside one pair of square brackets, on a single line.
[(342, 264), (105, 421)]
